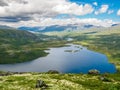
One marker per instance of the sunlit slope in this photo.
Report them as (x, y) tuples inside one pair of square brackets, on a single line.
[(61, 81), (91, 31)]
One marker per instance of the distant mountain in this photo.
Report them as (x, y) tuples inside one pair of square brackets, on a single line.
[(47, 29), (88, 26), (115, 24), (69, 27), (35, 29), (5, 27), (55, 28)]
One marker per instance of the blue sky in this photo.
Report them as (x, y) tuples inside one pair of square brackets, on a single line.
[(113, 5), (18, 13)]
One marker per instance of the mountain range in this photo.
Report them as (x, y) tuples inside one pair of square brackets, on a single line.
[(59, 28), (6, 27), (52, 28)]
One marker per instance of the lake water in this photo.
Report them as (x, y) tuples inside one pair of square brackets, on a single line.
[(68, 59)]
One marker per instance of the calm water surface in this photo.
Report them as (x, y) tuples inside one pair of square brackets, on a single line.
[(68, 59)]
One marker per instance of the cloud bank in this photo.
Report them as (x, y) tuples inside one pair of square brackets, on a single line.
[(44, 8), (43, 12), (51, 21)]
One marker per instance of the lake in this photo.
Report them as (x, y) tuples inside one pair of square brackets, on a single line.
[(68, 59)]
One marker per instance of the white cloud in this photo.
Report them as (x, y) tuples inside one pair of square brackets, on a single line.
[(73, 8), (95, 3), (51, 21), (42, 12), (110, 11), (118, 13), (44, 8), (103, 9)]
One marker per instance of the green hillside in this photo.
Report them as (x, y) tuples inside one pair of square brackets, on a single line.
[(27, 81), (14, 46), (21, 46), (8, 36)]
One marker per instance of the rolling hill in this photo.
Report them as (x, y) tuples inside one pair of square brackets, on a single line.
[(17, 34), (16, 46)]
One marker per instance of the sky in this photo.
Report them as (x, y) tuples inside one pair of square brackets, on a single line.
[(17, 13)]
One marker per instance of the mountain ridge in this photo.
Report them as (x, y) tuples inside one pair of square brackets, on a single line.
[(59, 28)]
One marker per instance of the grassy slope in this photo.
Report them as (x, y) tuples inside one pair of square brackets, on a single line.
[(60, 82), (16, 46)]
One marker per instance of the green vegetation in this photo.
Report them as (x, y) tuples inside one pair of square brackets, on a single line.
[(11, 43), (20, 46), (16, 47), (105, 40), (27, 81)]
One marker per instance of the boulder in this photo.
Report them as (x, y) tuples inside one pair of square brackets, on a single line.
[(94, 72), (41, 84)]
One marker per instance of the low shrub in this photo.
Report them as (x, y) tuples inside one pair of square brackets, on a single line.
[(53, 72)]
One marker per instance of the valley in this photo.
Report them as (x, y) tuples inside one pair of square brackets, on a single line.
[(28, 44), (103, 41)]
